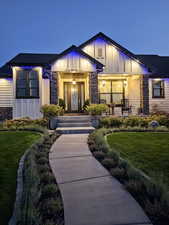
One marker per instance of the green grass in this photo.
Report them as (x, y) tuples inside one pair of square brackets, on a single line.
[(146, 151), (12, 146)]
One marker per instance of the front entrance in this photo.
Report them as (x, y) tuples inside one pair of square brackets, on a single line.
[(74, 96)]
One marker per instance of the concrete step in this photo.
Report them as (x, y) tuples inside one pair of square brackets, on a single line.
[(72, 119), (74, 124), (74, 130)]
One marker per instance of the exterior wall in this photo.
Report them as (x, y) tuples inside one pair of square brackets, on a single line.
[(160, 104), (114, 60), (134, 93), (6, 98), (30, 107), (93, 87), (73, 62)]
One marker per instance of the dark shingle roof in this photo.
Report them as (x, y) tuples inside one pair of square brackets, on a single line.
[(31, 59), (5, 71), (159, 65)]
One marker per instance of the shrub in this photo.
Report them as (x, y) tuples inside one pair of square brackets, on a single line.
[(111, 122), (114, 155), (86, 103), (62, 103), (43, 168), (96, 109), (99, 155), (119, 173), (50, 111), (48, 191), (26, 121), (50, 207), (42, 160), (47, 178), (109, 163)]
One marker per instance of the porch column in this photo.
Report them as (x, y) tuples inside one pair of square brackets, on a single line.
[(54, 88), (145, 94), (93, 87)]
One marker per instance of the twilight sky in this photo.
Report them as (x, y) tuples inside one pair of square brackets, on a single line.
[(51, 26)]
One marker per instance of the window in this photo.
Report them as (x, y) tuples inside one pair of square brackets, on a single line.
[(27, 84), (111, 91), (158, 88)]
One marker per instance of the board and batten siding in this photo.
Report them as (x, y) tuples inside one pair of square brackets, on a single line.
[(114, 60), (30, 107), (6, 92), (161, 104), (73, 62)]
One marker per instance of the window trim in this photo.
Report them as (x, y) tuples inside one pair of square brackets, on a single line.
[(27, 88), (162, 89)]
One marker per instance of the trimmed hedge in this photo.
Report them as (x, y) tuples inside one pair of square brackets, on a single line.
[(134, 121), (153, 196), (22, 122)]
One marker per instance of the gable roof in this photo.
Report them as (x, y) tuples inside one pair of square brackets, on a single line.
[(31, 59), (5, 71), (106, 38), (78, 50), (159, 64)]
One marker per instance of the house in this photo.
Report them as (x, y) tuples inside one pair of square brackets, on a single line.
[(100, 70)]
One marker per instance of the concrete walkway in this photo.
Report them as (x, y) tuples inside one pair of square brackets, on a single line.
[(90, 195)]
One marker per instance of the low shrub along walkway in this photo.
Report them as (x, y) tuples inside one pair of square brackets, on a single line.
[(152, 196)]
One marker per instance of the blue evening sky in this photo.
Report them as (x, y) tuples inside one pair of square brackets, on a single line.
[(50, 26)]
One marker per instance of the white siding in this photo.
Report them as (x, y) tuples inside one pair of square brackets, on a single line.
[(73, 62), (45, 91), (161, 104), (6, 93), (114, 60), (29, 107)]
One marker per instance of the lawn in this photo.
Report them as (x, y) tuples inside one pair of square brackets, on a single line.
[(147, 151), (12, 146)]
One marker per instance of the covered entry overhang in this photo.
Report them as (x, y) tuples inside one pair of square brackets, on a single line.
[(75, 79)]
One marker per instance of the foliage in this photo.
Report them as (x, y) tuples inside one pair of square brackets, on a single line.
[(86, 103), (13, 146), (62, 103), (154, 124), (99, 155), (109, 163), (134, 121), (50, 111), (26, 121), (111, 122), (96, 109), (42, 202)]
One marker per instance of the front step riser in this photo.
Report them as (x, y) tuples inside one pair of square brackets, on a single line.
[(74, 131), (73, 121), (74, 124)]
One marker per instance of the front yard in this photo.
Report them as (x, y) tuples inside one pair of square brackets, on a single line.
[(12, 146), (147, 151)]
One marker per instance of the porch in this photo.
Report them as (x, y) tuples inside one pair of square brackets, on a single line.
[(122, 93)]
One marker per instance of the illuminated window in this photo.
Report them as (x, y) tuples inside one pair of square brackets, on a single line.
[(158, 88), (111, 91), (27, 84)]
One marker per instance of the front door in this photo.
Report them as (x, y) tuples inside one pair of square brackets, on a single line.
[(74, 96)]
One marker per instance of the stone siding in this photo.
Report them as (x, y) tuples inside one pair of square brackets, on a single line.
[(93, 87), (5, 113), (54, 88)]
